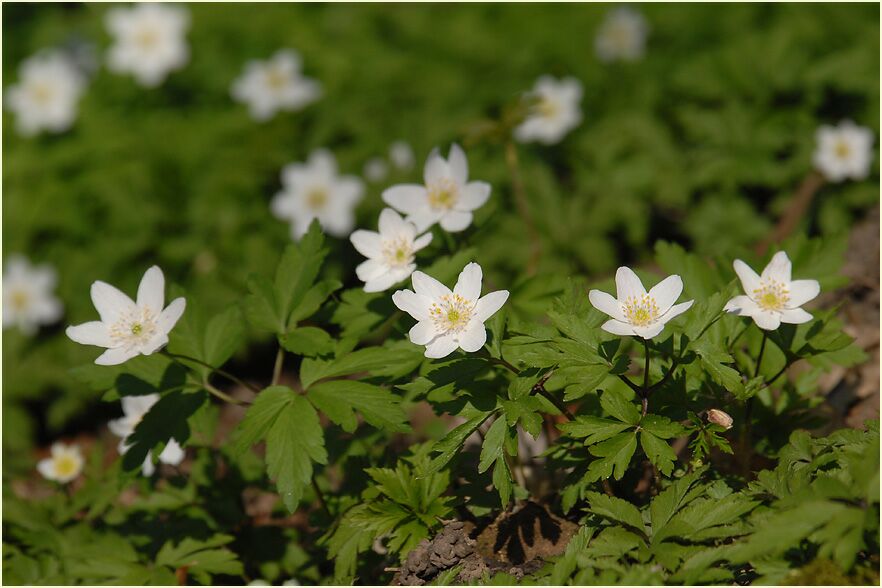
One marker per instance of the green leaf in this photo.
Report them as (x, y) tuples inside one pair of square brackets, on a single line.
[(661, 426), (260, 305), (374, 360), (293, 442), (658, 452), (619, 408), (593, 429), (298, 270), (616, 509), (526, 412), (224, 333), (308, 341), (379, 406), (312, 300), (165, 420), (261, 416), (451, 444), (492, 448), (201, 558), (502, 481), (615, 456)]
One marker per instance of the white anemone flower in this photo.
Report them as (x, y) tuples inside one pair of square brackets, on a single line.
[(554, 113), (314, 190), (64, 463), (401, 155), (844, 151), (149, 41), (28, 299), (275, 84), (390, 251), (449, 320), (46, 95), (622, 36), (772, 298), (134, 410), (447, 198), (128, 328), (635, 311)]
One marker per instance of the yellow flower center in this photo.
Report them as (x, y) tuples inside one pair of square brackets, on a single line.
[(65, 466), (620, 36), (452, 313), (842, 150), (771, 295), (443, 194), (641, 311), (276, 78), (147, 38), (134, 328), (42, 93), (19, 299), (317, 198), (397, 252), (548, 108)]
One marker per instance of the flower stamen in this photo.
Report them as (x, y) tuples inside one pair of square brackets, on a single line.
[(398, 252), (452, 313), (771, 295), (443, 194), (641, 311)]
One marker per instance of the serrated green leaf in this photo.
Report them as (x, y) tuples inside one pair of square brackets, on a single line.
[(261, 416), (615, 456), (593, 429), (492, 448), (658, 452), (379, 406), (307, 341), (452, 442), (616, 509), (619, 408)]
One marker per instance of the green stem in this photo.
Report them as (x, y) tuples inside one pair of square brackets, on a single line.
[(746, 450), (277, 368), (320, 496), (178, 357), (759, 358), (644, 395), (221, 395)]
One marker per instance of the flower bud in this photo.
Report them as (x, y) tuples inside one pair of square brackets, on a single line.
[(718, 417)]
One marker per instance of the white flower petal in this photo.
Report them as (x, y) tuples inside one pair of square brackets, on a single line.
[(46, 467), (91, 333), (416, 305), (425, 218), (121, 427), (110, 302), (116, 356), (169, 317), (795, 316), (381, 282), (617, 327), (368, 243), (666, 292), (390, 222), (157, 342), (459, 166), (436, 168), (173, 454), (455, 221), (135, 407), (676, 311), (778, 268), (422, 332), (407, 198), (473, 337), (468, 285), (767, 320), (750, 281), (473, 196), (428, 286), (606, 304), (802, 291), (742, 305), (148, 468), (441, 346), (649, 331), (151, 290), (628, 285), (422, 241), (489, 304), (370, 270)]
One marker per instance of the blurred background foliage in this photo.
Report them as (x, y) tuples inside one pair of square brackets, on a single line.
[(701, 142)]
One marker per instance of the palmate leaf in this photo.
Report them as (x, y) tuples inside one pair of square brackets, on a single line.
[(201, 558), (593, 429), (615, 455), (658, 452), (379, 406), (616, 509), (377, 361)]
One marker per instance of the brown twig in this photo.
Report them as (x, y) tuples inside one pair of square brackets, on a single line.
[(799, 205), (520, 196)]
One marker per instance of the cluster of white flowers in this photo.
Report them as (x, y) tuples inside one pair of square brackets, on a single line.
[(134, 410), (275, 84), (28, 299), (149, 41), (315, 190)]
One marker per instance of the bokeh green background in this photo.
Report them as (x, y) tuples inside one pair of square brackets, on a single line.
[(703, 141)]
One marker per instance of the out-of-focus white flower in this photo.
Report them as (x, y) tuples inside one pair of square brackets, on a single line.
[(635, 311), (622, 36), (63, 465), (449, 320), (315, 190), (259, 582), (844, 151), (447, 197), (28, 299), (46, 95), (149, 41), (291, 582), (275, 84), (390, 251), (401, 155), (375, 169), (129, 328), (134, 409), (554, 111), (772, 298)]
